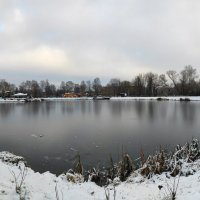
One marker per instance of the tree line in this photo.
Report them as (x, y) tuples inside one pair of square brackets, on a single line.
[(186, 82)]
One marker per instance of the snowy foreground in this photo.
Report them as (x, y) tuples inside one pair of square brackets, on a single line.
[(36, 186)]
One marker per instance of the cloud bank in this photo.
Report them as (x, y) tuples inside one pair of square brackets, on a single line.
[(81, 39)]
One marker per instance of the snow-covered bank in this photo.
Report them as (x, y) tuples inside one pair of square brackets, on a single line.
[(12, 101), (172, 98), (38, 186)]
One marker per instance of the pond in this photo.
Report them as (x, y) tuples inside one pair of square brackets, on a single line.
[(50, 134)]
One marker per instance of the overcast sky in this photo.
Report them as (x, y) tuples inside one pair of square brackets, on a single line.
[(82, 39)]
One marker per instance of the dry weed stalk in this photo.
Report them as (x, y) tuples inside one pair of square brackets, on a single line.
[(20, 178), (78, 167), (172, 189), (107, 193), (57, 193)]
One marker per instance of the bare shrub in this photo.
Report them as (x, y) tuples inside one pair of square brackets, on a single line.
[(171, 162), (125, 167), (98, 176), (154, 164), (20, 178), (112, 169), (171, 189)]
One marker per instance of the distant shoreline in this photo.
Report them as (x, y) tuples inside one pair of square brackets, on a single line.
[(161, 98), (170, 98)]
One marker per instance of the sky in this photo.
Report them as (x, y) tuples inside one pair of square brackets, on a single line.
[(83, 39)]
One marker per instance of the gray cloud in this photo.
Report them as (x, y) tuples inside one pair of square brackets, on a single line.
[(88, 38)]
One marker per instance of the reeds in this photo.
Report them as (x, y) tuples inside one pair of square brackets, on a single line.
[(162, 161)]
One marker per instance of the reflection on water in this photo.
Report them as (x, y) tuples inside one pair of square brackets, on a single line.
[(6, 109), (49, 134), (189, 112)]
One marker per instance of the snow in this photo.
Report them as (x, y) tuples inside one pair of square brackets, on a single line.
[(170, 98), (20, 94), (38, 186), (12, 101)]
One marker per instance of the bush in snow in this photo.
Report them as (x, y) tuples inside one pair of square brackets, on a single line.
[(78, 167), (194, 152), (171, 162), (154, 164), (126, 167), (74, 178), (99, 177)]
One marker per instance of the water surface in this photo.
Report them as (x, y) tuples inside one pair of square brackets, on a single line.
[(49, 134)]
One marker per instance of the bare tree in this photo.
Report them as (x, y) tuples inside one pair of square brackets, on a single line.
[(139, 85), (6, 88), (162, 81), (163, 88), (83, 86), (126, 87), (63, 86), (89, 87), (187, 80), (77, 88), (173, 75), (115, 86), (42, 85), (97, 86), (35, 89), (70, 86), (151, 83)]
